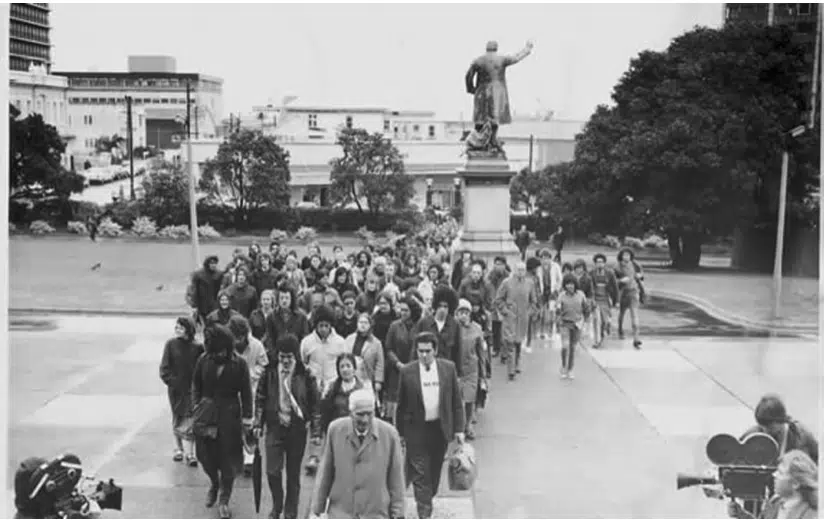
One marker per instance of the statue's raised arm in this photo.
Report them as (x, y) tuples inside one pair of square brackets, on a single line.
[(485, 81)]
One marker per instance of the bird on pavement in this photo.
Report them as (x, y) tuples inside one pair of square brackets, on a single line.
[(159, 287), (97, 266)]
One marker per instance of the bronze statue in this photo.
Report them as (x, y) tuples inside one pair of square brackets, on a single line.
[(486, 81)]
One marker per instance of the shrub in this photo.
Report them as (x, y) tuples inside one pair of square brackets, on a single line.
[(83, 209), (175, 232), (40, 227), (124, 212), (403, 227), (612, 242), (595, 238), (109, 228), (207, 231), (12, 228), (278, 234), (144, 227), (365, 235), (634, 243), (77, 227), (306, 234), (655, 242)]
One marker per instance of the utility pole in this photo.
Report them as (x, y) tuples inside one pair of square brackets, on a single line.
[(131, 147), (193, 202), (197, 118), (531, 152), (815, 75)]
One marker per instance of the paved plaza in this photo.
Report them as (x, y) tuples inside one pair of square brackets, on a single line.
[(607, 444)]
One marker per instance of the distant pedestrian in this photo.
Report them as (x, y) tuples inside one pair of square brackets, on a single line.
[(205, 285), (605, 296), (335, 398), (430, 414), (399, 350), (257, 320), (558, 239), (177, 366), (523, 240), (369, 354), (495, 277), (572, 312), (223, 313), (473, 358), (361, 473), (287, 317), (516, 302), (242, 295), (629, 276), (441, 322)]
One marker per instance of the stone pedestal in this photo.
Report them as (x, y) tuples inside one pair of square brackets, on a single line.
[(487, 209)]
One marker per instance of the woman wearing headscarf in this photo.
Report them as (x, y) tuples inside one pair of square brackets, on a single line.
[(472, 355), (335, 400), (223, 313), (257, 320), (796, 490), (222, 395), (398, 351), (368, 352), (180, 354)]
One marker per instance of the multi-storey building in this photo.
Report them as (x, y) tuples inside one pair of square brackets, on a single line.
[(432, 147), (29, 40), (158, 95)]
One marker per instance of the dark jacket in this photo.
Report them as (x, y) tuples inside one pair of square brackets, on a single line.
[(263, 280), (221, 316), (257, 324), (278, 325), (398, 347), (305, 390), (243, 298), (206, 285), (410, 418), (481, 289), (177, 367), (448, 339), (232, 395), (335, 402), (345, 326)]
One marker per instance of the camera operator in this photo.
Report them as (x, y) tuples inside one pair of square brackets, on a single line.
[(773, 419), (795, 490)]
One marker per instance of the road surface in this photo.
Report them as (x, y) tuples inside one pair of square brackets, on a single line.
[(607, 444)]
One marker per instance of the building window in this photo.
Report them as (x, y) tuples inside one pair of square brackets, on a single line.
[(28, 106), (431, 131), (386, 126), (313, 121), (415, 129), (804, 9), (349, 122), (164, 101)]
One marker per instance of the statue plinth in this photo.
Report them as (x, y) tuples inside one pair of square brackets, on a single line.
[(486, 230)]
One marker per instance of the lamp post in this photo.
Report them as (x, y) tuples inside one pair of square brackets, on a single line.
[(193, 198), (780, 225)]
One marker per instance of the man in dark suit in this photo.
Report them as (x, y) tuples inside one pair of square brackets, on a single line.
[(430, 414)]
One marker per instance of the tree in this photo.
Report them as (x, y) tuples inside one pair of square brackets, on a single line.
[(250, 171), (371, 169), (165, 197), (105, 144), (692, 147), (35, 170)]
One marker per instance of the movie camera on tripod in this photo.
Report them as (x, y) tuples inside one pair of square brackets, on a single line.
[(745, 470)]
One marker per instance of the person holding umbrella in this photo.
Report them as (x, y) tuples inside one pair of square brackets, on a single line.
[(287, 400)]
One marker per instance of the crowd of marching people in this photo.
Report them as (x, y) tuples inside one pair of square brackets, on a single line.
[(294, 344)]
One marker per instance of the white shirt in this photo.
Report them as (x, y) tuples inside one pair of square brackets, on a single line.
[(439, 324), (429, 391)]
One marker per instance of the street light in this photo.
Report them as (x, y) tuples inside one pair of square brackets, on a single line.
[(780, 226)]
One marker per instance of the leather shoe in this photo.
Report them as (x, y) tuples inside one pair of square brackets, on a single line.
[(274, 514), (224, 512)]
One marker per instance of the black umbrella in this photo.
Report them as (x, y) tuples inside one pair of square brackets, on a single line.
[(256, 478)]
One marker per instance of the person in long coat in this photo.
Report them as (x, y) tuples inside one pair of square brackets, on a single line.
[(222, 395), (398, 351), (472, 355), (180, 354), (516, 301), (206, 284)]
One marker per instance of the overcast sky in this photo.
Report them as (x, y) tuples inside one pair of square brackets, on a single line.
[(395, 56)]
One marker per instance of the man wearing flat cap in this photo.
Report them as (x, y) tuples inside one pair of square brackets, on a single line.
[(361, 473)]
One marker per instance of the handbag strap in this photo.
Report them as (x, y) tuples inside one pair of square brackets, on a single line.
[(784, 445)]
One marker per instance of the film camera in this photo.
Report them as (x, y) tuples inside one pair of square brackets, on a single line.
[(58, 489), (745, 470)]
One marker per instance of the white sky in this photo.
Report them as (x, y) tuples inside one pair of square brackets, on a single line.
[(401, 56)]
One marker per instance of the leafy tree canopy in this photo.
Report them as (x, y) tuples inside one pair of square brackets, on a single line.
[(165, 197), (250, 171), (693, 144), (371, 169), (35, 170)]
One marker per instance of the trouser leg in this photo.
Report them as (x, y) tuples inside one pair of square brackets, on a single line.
[(294, 456)]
